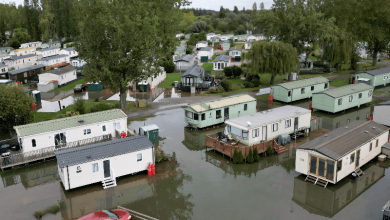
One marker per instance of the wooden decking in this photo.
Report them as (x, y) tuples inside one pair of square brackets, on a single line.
[(19, 159), (226, 148)]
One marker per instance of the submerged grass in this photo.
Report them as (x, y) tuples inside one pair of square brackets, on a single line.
[(53, 209)]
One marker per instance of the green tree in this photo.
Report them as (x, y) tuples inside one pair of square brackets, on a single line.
[(240, 30), (250, 158), (256, 156), (46, 21), (15, 106), (338, 48), (226, 85), (21, 35), (79, 105), (235, 155), (240, 157), (228, 71), (235, 10), (237, 71), (119, 48), (274, 57), (262, 6)]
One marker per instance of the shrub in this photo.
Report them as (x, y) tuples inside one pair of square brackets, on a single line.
[(217, 47), (38, 214), (235, 155), (53, 209), (70, 114), (182, 37), (188, 51), (244, 65), (255, 76), (169, 66), (228, 71), (100, 107), (79, 105), (269, 150), (237, 71), (212, 90), (240, 157), (249, 77), (226, 85), (97, 99), (250, 158), (316, 54), (256, 156), (255, 82), (248, 85)]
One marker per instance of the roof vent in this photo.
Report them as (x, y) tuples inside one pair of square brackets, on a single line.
[(326, 135), (373, 127), (366, 132), (89, 157), (81, 121), (263, 112)]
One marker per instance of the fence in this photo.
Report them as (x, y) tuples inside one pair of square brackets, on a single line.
[(48, 152), (228, 149)]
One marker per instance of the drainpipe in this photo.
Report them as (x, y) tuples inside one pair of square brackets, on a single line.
[(153, 153), (67, 172)]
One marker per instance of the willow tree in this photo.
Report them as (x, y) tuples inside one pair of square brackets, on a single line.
[(124, 40), (338, 48), (273, 57)]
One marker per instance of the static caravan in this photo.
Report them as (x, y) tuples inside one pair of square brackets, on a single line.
[(342, 98), (63, 75), (341, 152), (187, 36), (179, 35), (183, 43), (63, 131), (329, 201), (225, 45), (266, 125), (20, 62), (300, 89), (381, 113), (210, 113), (221, 62), (53, 44), (36, 44), (180, 51), (26, 74), (248, 44), (377, 77), (184, 62), (242, 37), (209, 36), (235, 53), (47, 52), (5, 50), (23, 51), (201, 44), (71, 52), (54, 60), (104, 162), (195, 77), (205, 53), (3, 71), (4, 57)]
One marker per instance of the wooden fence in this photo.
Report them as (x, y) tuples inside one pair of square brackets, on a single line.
[(48, 152), (228, 149)]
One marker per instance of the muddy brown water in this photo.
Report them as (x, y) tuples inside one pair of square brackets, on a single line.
[(201, 184)]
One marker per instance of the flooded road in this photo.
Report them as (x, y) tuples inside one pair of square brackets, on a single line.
[(201, 184)]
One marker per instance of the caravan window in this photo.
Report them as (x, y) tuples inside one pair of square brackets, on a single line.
[(218, 115), (339, 165), (275, 127), (326, 86), (377, 143), (245, 107), (139, 157), (289, 93), (87, 131), (244, 134), (255, 133), (302, 90), (104, 128), (340, 101), (34, 143), (360, 95), (288, 123), (196, 117), (352, 159), (236, 131), (370, 147), (312, 88), (189, 114), (203, 116), (95, 167), (350, 98), (369, 93)]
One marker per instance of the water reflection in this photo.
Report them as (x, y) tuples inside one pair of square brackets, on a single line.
[(31, 176), (333, 121), (330, 200), (138, 192), (195, 140)]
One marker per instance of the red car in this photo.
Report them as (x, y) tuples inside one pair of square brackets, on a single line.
[(117, 214)]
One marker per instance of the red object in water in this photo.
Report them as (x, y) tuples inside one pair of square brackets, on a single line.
[(310, 106), (153, 169), (86, 85), (105, 214), (124, 134), (370, 118), (18, 82), (353, 81), (270, 98), (150, 87), (33, 105), (221, 48), (149, 170)]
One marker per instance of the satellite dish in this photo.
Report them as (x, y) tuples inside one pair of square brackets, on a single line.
[(249, 124)]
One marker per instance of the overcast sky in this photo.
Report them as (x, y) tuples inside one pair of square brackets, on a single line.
[(208, 4)]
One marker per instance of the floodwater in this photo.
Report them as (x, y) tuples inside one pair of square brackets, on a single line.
[(201, 184), (51, 101)]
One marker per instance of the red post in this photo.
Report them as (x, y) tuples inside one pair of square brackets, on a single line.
[(310, 106), (18, 82), (86, 85), (33, 105), (270, 98), (153, 169), (370, 118)]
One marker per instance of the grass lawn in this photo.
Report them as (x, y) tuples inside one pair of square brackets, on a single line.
[(212, 58), (71, 86), (208, 66), (171, 78), (339, 82), (44, 116)]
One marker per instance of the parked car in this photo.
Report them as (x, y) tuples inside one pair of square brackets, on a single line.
[(79, 88), (117, 214)]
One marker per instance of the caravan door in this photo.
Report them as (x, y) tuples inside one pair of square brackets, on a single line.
[(264, 136)]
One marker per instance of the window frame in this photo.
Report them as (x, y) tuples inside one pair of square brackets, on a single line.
[(273, 127), (302, 90), (289, 93), (33, 143), (340, 101), (289, 124), (360, 95), (255, 133), (370, 148), (312, 88), (218, 114), (339, 168), (245, 107), (376, 143), (326, 86), (352, 158), (104, 128), (350, 98), (203, 117), (196, 116), (95, 167), (139, 154)]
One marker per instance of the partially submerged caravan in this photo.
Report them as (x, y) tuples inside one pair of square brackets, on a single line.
[(266, 125), (337, 154), (210, 113), (104, 162)]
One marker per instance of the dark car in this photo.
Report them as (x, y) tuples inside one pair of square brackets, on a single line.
[(79, 88)]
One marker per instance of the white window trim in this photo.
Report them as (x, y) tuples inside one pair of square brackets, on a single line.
[(138, 160)]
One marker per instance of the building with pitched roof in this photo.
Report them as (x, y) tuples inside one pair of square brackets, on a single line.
[(26, 74), (5, 50), (23, 51), (185, 62), (210, 113), (337, 154), (60, 132), (20, 62), (381, 113), (54, 60), (53, 44), (104, 162), (205, 53), (377, 77), (63, 75), (47, 52), (300, 89), (221, 62), (71, 52), (36, 44), (201, 44), (342, 98)]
